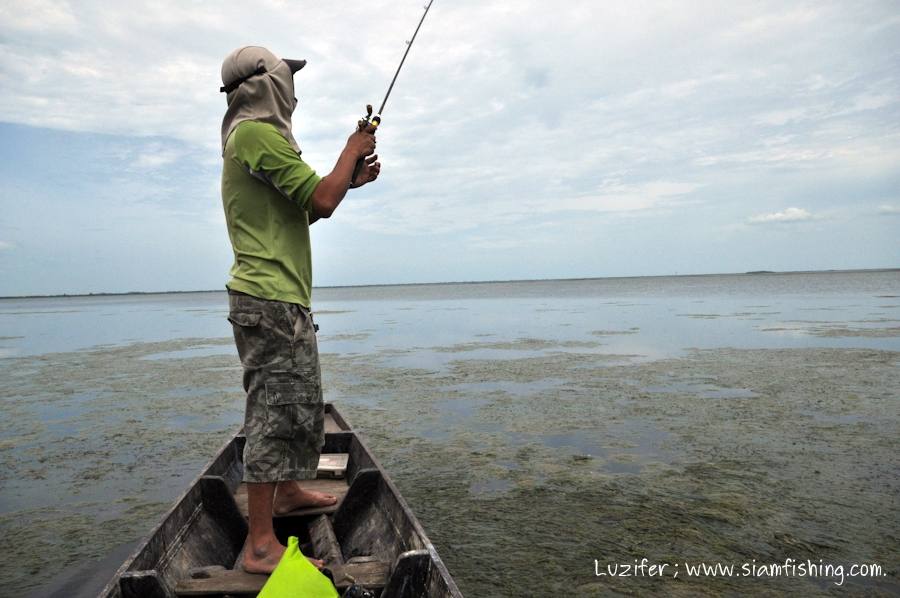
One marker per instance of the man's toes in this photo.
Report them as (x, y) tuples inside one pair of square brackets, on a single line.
[(317, 562), (322, 500)]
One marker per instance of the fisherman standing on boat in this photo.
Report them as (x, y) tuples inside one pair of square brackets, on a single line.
[(271, 196)]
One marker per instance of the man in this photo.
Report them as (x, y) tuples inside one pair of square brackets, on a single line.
[(271, 196)]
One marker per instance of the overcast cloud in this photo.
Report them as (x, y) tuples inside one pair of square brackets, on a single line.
[(523, 140)]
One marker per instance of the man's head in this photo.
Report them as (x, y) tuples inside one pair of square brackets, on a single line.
[(250, 61), (259, 86)]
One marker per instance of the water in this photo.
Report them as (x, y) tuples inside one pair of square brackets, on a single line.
[(652, 316), (723, 417)]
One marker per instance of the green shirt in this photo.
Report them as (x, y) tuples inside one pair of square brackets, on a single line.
[(266, 191)]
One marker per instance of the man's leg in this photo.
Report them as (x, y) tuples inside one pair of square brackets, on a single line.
[(282, 439), (289, 496), (262, 550)]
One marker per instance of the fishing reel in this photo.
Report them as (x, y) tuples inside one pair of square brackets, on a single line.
[(367, 123), (369, 120)]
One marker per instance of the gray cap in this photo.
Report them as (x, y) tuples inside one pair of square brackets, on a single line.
[(250, 61)]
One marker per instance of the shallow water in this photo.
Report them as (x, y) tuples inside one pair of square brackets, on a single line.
[(543, 425)]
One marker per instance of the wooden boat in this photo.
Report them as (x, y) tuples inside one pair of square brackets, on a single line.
[(369, 537)]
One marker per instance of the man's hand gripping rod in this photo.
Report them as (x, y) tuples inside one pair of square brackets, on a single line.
[(369, 123)]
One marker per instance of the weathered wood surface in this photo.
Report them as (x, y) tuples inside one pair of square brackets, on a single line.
[(372, 521), (411, 570), (142, 584), (337, 423), (331, 425), (371, 575), (238, 563), (337, 487), (231, 582), (324, 543)]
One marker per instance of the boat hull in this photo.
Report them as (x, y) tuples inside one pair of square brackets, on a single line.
[(371, 536)]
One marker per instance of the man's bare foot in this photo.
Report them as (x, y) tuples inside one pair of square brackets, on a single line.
[(263, 558), (266, 559), (290, 497)]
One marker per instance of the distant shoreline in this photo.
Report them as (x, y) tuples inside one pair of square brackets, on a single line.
[(458, 282)]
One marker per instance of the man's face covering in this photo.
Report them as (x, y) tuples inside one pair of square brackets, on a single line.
[(260, 87)]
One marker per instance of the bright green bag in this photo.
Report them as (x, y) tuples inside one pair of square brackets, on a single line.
[(296, 577)]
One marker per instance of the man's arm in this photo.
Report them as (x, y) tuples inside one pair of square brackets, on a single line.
[(333, 186), (267, 156), (367, 174)]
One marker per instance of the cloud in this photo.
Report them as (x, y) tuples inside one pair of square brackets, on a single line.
[(789, 215), (504, 114), (156, 156), (889, 210), (38, 15), (624, 198), (771, 24), (422, 212), (6, 245)]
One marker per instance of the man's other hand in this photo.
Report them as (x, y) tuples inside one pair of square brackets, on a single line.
[(368, 173)]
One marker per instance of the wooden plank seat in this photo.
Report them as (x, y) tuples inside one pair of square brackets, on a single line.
[(332, 465), (372, 575)]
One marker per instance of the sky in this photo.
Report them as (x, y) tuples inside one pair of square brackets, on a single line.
[(523, 140)]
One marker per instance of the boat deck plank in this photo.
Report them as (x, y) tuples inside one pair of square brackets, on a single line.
[(371, 575), (335, 486)]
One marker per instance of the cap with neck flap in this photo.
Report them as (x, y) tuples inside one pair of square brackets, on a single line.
[(259, 86)]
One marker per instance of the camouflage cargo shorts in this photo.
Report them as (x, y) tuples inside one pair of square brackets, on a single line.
[(284, 420)]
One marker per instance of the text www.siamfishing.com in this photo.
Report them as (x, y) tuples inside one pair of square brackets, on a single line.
[(787, 568)]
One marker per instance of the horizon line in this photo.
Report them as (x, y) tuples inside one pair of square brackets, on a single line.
[(409, 284)]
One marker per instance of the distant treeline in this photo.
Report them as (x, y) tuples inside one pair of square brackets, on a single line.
[(416, 284)]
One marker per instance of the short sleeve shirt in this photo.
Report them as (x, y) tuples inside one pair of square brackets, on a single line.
[(266, 192)]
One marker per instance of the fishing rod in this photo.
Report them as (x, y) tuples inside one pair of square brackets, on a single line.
[(373, 121)]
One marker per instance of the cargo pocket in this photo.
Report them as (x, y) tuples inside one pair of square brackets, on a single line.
[(244, 319), (292, 403), (249, 338)]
